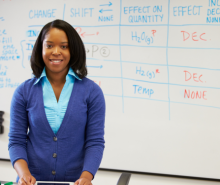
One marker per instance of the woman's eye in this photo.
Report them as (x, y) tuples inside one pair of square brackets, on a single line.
[(63, 47), (49, 46)]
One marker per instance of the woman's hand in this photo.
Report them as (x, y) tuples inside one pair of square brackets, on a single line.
[(26, 179), (83, 181)]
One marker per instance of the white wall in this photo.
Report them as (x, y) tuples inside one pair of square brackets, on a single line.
[(7, 173)]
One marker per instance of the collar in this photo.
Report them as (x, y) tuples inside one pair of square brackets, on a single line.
[(70, 72)]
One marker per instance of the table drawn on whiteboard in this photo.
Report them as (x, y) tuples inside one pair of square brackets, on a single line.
[(157, 64)]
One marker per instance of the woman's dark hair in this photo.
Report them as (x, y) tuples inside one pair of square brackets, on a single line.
[(77, 50)]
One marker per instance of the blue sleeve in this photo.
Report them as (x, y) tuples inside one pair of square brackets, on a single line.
[(18, 126), (94, 143)]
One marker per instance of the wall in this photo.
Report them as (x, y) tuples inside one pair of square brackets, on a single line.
[(7, 173)]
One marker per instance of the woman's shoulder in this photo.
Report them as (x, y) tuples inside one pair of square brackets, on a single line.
[(24, 90), (26, 86), (86, 80), (28, 83), (90, 87), (88, 83)]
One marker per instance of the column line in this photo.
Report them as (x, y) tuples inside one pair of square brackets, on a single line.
[(64, 11), (168, 80), (120, 57)]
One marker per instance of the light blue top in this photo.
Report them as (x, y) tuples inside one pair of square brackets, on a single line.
[(54, 110)]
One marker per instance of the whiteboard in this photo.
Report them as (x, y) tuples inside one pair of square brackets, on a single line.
[(157, 63)]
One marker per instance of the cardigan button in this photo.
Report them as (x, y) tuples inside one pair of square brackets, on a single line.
[(54, 155), (53, 172), (55, 138)]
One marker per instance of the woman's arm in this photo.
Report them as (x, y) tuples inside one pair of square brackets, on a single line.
[(18, 126), (25, 177), (84, 179), (21, 167), (18, 137), (94, 139)]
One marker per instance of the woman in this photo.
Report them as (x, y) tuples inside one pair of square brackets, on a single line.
[(57, 118)]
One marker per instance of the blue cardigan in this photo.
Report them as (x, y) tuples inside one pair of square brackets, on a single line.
[(79, 143)]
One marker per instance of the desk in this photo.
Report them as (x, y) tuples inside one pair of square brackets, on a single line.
[(4, 182)]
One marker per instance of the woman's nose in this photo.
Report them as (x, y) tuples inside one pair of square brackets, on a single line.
[(56, 51)]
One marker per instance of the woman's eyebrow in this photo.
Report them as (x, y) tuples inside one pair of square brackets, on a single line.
[(52, 42)]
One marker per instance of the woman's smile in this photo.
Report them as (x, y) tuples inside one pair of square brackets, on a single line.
[(56, 61)]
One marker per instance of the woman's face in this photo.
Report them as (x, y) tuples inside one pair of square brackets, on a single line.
[(56, 53)]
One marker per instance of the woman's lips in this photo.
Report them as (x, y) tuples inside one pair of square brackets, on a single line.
[(56, 61)]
